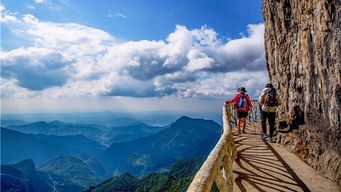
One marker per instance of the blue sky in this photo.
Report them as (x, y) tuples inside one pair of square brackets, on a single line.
[(127, 52), (146, 19)]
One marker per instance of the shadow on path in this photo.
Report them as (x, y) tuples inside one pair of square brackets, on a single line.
[(259, 167)]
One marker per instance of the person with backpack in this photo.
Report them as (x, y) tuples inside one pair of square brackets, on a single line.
[(269, 100), (242, 104)]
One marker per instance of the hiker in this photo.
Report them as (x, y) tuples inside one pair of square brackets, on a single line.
[(242, 104), (269, 100)]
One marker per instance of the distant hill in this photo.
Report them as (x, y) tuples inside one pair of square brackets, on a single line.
[(101, 118), (16, 146), (72, 169), (60, 128), (117, 121), (130, 132), (24, 177), (185, 138), (154, 182), (114, 119), (121, 129), (5, 123)]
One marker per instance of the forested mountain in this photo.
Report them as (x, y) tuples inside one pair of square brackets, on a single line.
[(71, 168), (177, 180), (70, 174), (24, 177), (90, 161), (185, 138)]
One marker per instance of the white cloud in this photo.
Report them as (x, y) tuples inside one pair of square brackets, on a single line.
[(35, 68), (7, 16), (118, 15), (10, 89), (71, 38), (30, 6), (223, 84), (40, 1), (198, 60), (73, 60)]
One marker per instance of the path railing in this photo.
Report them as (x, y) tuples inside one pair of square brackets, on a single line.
[(218, 165)]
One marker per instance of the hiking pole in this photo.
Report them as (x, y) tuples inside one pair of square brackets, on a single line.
[(253, 122), (253, 114), (254, 127)]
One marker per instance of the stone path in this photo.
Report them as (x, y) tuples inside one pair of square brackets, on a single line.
[(265, 167)]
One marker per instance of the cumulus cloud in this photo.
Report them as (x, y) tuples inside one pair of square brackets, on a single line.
[(72, 60), (71, 38), (2, 8), (222, 84), (7, 16), (10, 89), (60, 52), (35, 68)]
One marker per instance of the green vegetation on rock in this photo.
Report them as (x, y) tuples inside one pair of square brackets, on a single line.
[(23, 177), (71, 168), (187, 167), (126, 182), (177, 180)]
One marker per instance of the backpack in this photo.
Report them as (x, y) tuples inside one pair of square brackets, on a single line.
[(242, 104), (270, 98)]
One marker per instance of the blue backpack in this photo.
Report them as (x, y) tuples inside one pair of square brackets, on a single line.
[(242, 103)]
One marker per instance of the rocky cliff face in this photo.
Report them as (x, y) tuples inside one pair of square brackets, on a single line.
[(303, 54)]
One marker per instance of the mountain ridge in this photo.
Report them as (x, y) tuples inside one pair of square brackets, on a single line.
[(58, 128), (41, 147), (23, 176), (184, 138)]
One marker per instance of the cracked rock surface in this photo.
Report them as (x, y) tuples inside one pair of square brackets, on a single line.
[(303, 57)]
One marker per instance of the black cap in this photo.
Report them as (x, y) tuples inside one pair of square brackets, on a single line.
[(242, 89), (269, 85)]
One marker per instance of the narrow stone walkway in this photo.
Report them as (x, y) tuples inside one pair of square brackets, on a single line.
[(265, 167)]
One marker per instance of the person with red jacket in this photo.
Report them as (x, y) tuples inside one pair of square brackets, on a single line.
[(242, 104)]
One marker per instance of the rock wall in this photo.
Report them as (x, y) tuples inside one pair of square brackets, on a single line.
[(303, 55)]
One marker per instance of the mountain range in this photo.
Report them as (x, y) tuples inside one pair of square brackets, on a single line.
[(184, 138), (5, 123), (177, 179), (70, 163), (70, 174), (129, 132), (113, 119), (16, 146), (60, 128), (125, 129)]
